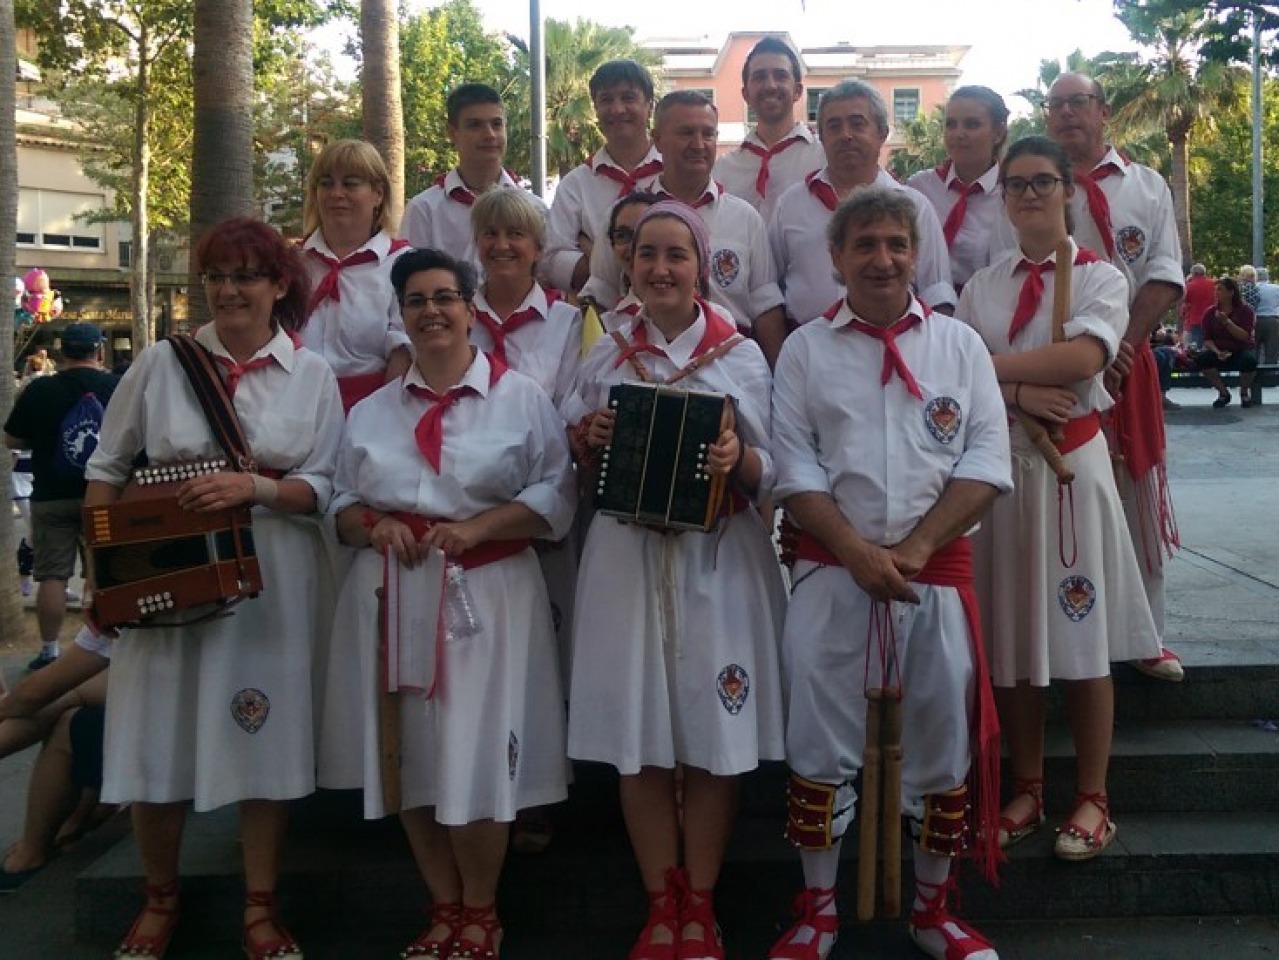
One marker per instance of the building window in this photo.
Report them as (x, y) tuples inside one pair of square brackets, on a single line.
[(905, 106), (50, 219), (126, 254), (814, 95)]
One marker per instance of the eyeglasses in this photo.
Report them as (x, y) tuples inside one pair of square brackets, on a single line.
[(1076, 102), (621, 234), (239, 278), (442, 299), (1042, 185)]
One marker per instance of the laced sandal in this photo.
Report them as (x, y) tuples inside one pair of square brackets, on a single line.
[(699, 908), (280, 947), (448, 915), (139, 946), (811, 909), (941, 934), (486, 919), (663, 914), (1014, 831), (1074, 842)]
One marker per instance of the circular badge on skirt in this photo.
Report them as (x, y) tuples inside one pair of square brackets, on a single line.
[(733, 686), (1077, 595), (250, 709)]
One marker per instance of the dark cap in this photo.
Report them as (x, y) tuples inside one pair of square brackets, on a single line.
[(81, 336)]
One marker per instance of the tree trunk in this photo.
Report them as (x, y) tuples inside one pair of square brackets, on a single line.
[(1181, 196), (222, 148), (380, 96), (143, 333), (11, 625)]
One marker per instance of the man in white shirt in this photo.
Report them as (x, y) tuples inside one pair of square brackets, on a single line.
[(622, 93), (1267, 318), (440, 216), (852, 120), (778, 152)]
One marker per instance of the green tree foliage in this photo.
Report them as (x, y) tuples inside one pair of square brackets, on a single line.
[(441, 49), (924, 144), (1228, 30)]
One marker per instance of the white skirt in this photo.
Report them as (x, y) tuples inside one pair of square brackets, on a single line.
[(222, 711), (675, 650), (1041, 619), (491, 740)]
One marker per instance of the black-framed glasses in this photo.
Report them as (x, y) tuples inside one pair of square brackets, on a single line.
[(239, 278), (442, 299), (621, 234), (1042, 184), (1076, 102)]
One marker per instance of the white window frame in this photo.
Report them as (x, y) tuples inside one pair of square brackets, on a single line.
[(899, 120), (38, 230)]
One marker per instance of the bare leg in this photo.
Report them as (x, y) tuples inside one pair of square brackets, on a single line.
[(51, 796), (1090, 708), (1212, 375), (433, 853), (51, 608), (157, 830), (710, 810), (1021, 716), (18, 733), (263, 824), (652, 822), (480, 850)]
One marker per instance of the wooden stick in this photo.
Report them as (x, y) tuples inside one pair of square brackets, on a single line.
[(891, 740), (1038, 434), (388, 718), (867, 848)]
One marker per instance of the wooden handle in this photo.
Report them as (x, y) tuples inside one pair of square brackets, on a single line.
[(1038, 435), (1065, 263), (891, 738), (867, 847), (388, 719)]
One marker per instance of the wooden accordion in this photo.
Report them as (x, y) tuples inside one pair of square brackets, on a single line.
[(656, 471), (153, 560)]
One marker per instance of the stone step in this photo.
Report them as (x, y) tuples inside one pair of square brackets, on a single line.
[(1216, 688)]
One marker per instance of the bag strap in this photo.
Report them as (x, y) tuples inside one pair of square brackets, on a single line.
[(198, 364)]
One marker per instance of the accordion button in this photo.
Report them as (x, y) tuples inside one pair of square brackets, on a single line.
[(168, 605), (167, 595)]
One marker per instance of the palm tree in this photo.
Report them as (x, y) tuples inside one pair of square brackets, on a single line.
[(382, 102), (222, 88), (1170, 88)]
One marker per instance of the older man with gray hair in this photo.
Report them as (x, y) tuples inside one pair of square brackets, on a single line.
[(1267, 331)]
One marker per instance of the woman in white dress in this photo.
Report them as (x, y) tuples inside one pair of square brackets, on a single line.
[(1056, 574), (354, 321), (465, 456), (675, 645), (221, 711)]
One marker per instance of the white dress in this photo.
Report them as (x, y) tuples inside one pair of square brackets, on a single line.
[(1044, 619), (491, 740), (675, 637), (223, 710)]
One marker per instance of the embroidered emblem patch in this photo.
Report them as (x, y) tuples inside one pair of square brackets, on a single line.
[(249, 708), (1077, 595), (733, 686), (943, 417), (1131, 243), (512, 755), (725, 266)]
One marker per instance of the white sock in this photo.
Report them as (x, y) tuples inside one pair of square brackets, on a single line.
[(49, 648), (821, 867), (931, 871)]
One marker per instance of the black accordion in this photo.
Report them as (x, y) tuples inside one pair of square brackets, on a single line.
[(656, 470)]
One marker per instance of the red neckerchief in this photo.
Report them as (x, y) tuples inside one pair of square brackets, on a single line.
[(822, 190), (765, 155), (429, 431), (1098, 205), (709, 196), (1032, 288), (328, 288), (461, 194), (627, 181), (717, 331), (955, 219), (894, 362), (499, 330), (234, 371)]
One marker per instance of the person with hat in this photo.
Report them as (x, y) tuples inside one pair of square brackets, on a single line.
[(36, 424)]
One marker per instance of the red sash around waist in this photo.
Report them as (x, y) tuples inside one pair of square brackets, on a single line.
[(488, 552), (1079, 431), (951, 566), (358, 386)]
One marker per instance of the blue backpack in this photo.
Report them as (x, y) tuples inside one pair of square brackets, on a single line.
[(78, 436)]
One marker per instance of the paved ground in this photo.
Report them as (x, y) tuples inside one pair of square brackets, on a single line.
[(1223, 600)]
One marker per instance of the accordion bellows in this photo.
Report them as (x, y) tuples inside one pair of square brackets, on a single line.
[(656, 470), (152, 560)]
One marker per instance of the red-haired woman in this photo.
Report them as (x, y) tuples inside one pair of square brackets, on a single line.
[(354, 320), (220, 711)]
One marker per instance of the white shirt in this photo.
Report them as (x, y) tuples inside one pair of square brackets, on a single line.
[(738, 171), (357, 334), (1141, 215), (504, 445), (290, 410), (797, 234), (1098, 308), (434, 218), (583, 201), (882, 454), (547, 350), (742, 373), (971, 249)]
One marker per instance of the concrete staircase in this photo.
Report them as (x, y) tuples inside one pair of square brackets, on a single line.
[(1194, 786)]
